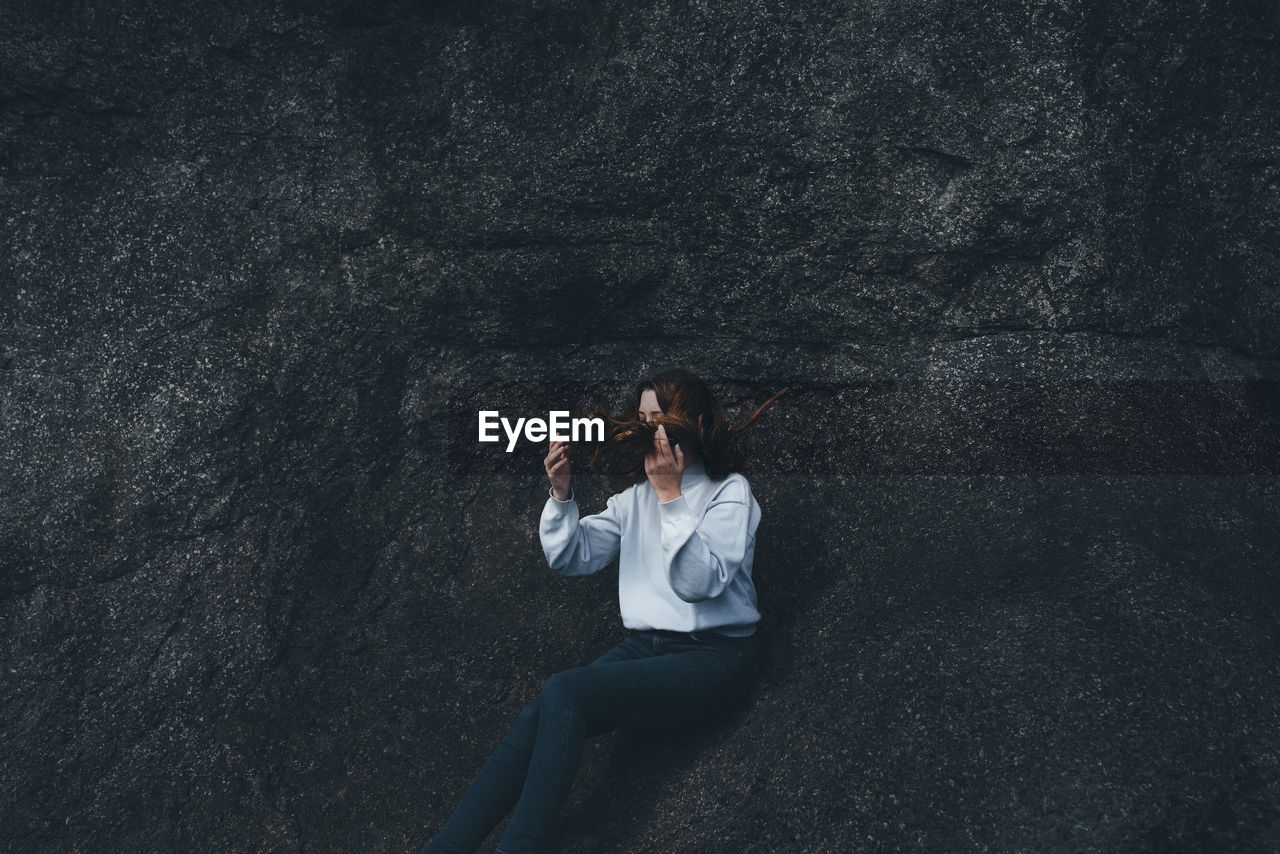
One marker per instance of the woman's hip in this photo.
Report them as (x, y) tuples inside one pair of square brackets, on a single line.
[(730, 658), (668, 680)]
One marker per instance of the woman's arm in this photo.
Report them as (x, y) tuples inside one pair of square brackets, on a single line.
[(576, 546), (701, 556)]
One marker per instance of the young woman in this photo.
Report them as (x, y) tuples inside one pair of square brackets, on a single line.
[(684, 538)]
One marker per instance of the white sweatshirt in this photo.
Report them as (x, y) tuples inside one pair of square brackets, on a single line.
[(683, 565)]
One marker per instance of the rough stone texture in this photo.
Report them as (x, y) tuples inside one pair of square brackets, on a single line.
[(262, 590)]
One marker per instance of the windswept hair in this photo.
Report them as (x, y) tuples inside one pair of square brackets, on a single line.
[(693, 419)]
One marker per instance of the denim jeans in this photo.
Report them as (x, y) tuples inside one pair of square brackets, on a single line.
[(651, 678)]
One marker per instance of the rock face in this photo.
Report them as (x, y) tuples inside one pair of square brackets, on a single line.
[(262, 589)]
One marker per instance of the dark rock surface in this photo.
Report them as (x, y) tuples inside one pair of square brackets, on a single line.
[(262, 590)]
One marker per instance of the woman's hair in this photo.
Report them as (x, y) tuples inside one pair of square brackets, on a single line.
[(693, 418)]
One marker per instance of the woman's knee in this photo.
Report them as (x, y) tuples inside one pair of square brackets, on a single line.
[(558, 687), (565, 689), (525, 726)]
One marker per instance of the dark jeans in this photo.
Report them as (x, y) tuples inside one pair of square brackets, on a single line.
[(652, 678)]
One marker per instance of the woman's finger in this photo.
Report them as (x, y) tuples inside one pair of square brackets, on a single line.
[(666, 444), (557, 456)]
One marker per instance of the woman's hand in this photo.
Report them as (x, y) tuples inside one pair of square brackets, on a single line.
[(663, 468), (557, 466)]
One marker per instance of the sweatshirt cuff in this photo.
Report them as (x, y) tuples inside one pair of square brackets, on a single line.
[(676, 511), (551, 491)]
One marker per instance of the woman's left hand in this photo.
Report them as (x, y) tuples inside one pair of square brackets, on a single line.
[(663, 468)]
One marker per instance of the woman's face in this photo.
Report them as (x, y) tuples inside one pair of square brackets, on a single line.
[(649, 409)]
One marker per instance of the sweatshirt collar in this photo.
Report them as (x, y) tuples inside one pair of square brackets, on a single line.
[(695, 472)]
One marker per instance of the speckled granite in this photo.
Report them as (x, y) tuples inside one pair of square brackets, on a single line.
[(261, 589)]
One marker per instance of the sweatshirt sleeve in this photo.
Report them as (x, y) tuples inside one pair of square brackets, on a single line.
[(702, 556), (576, 546)]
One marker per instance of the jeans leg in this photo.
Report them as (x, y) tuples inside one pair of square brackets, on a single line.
[(671, 685), (494, 790), (497, 787)]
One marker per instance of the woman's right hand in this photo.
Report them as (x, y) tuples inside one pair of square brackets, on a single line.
[(557, 466)]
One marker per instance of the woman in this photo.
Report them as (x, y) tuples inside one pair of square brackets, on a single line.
[(684, 537)]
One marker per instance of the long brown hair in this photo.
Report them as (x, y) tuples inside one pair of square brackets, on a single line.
[(693, 418)]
